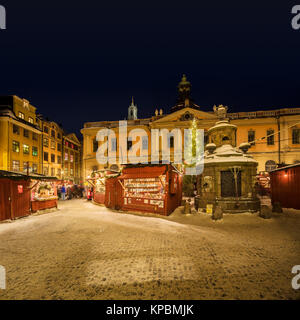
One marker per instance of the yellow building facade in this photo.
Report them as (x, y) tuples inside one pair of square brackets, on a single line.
[(20, 136), (274, 134), (72, 155), (52, 149)]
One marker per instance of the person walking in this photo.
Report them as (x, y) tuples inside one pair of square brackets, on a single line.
[(63, 192)]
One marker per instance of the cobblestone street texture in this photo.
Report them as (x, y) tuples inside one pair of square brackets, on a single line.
[(85, 251)]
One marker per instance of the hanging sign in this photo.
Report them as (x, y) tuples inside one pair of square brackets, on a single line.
[(20, 188)]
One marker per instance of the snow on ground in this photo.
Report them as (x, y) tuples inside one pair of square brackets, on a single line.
[(85, 251)]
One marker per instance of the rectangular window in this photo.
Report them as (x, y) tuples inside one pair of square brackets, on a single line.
[(58, 135), (296, 136), (71, 171), (52, 133), (129, 143), (34, 136), (59, 147), (71, 158), (35, 151), (46, 171), (52, 172), (30, 120), (59, 172), (45, 156), (113, 142), (46, 142), (16, 146), (52, 158), (251, 136), (170, 141), (25, 166), (59, 159), (270, 139), (66, 156), (95, 145), (52, 144), (46, 129), (16, 129), (26, 133), (21, 115), (145, 143), (34, 168), (16, 165)]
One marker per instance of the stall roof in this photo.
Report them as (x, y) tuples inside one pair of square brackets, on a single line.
[(19, 175), (286, 167)]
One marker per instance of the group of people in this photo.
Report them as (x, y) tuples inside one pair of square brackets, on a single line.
[(68, 192)]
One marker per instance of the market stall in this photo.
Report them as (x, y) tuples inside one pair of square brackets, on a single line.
[(146, 188), (97, 183), (43, 194)]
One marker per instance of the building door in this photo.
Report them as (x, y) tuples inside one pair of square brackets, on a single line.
[(229, 186), (20, 195), (5, 203)]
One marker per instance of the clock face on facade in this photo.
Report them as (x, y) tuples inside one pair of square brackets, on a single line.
[(187, 116)]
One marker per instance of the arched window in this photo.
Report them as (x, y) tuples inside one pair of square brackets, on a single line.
[(270, 165)]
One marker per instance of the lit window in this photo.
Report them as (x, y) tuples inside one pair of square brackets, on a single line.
[(53, 144), (16, 165), (34, 167), (30, 120), (71, 158), (46, 142), (25, 166), (25, 149), (34, 151), (66, 156), (21, 115), (16, 146)]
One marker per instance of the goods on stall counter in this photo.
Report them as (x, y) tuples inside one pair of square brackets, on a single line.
[(145, 190), (44, 191)]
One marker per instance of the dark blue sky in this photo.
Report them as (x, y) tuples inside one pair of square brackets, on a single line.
[(83, 62)]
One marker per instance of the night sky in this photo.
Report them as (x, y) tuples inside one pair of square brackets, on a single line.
[(79, 62)]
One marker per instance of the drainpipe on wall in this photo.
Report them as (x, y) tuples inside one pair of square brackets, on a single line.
[(279, 148)]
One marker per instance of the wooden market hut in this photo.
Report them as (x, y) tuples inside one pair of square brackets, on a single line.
[(15, 194), (145, 188), (285, 186)]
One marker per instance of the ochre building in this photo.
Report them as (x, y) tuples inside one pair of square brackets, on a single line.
[(20, 136), (274, 134)]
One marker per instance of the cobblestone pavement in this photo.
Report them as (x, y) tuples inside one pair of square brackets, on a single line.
[(84, 251)]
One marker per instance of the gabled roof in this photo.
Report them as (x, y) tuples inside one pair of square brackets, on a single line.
[(72, 137), (175, 116)]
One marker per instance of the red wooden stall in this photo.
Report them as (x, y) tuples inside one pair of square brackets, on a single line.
[(14, 198), (285, 186), (145, 188), (16, 195)]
